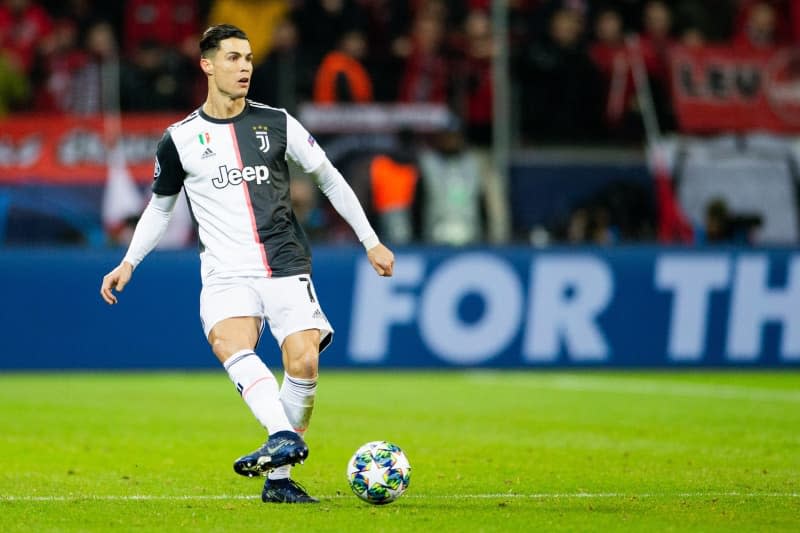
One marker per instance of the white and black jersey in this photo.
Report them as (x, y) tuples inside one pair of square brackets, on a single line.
[(236, 178)]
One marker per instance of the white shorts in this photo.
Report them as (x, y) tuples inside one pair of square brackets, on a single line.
[(288, 304)]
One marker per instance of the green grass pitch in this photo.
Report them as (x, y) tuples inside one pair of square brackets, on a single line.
[(490, 451)]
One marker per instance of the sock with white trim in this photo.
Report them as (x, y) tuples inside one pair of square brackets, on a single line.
[(259, 390)]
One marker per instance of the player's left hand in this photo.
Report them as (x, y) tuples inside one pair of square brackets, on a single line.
[(382, 259)]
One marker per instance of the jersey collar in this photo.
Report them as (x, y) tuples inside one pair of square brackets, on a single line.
[(235, 118)]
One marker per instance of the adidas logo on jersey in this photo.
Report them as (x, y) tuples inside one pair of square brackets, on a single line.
[(317, 314), (234, 176), (208, 153)]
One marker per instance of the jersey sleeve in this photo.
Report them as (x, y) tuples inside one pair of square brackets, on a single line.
[(168, 174), (301, 147)]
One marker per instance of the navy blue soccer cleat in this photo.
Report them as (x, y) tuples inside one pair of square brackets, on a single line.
[(285, 491), (282, 448)]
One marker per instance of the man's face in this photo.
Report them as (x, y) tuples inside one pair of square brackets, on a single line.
[(231, 67)]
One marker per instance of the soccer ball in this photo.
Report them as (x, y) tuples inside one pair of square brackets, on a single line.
[(379, 472)]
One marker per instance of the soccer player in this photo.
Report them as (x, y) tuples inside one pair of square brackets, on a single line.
[(230, 158)]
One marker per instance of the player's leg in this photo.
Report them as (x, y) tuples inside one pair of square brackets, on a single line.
[(300, 362), (301, 366), (231, 315), (233, 341), (301, 330)]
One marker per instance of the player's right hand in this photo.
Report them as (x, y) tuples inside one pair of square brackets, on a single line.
[(115, 280)]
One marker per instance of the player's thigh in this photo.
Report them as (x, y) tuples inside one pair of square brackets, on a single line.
[(231, 314), (292, 306)]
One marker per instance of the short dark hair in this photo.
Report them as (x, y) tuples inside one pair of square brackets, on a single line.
[(219, 32)]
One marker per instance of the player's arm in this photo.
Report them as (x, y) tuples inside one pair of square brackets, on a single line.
[(344, 200), (149, 230), (304, 150), (167, 184)]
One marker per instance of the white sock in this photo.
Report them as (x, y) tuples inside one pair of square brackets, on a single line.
[(282, 472), (297, 397), (259, 389)]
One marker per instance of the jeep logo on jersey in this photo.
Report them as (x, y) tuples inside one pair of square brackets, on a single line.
[(234, 176)]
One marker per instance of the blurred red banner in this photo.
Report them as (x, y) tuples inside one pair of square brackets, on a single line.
[(717, 89), (40, 148)]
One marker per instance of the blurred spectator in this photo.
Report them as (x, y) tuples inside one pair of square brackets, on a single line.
[(716, 222), (722, 227), (150, 80), (85, 13), (541, 15), (13, 85), (341, 78), (655, 42), (474, 103), (621, 211), (99, 76), (23, 24), (425, 77), (323, 22), (610, 54), (285, 77), (387, 30), (474, 79), (258, 19), (170, 24), (656, 38), (562, 88), (692, 37), (393, 186), (451, 191), (58, 68), (782, 13), (760, 30), (590, 225)]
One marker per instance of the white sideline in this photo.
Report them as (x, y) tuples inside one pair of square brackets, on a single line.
[(534, 496), (644, 386), (684, 389)]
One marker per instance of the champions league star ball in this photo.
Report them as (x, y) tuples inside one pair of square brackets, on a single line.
[(379, 472)]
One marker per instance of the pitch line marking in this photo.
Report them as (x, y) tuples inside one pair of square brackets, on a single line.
[(684, 389), (534, 496), (660, 387)]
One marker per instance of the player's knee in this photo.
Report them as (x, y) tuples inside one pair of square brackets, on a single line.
[(223, 348), (303, 363)]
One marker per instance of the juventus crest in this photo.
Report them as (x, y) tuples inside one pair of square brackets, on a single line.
[(263, 140)]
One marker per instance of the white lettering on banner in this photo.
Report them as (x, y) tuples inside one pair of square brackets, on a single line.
[(567, 295), (500, 289), (753, 304), (377, 305), (691, 279)]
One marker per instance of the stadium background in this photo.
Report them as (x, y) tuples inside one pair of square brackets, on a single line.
[(622, 178)]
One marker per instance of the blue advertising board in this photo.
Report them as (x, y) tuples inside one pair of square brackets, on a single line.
[(477, 307)]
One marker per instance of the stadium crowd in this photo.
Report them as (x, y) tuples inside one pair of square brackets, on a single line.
[(572, 73)]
